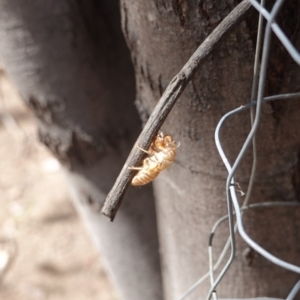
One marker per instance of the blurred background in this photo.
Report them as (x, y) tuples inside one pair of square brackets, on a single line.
[(45, 252)]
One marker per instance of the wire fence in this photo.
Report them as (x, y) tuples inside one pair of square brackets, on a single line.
[(256, 101)]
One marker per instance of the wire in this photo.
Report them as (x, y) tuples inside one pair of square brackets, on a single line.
[(282, 37), (230, 179), (231, 195), (253, 97), (294, 291), (193, 287), (232, 201)]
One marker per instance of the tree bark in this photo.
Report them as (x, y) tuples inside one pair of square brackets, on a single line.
[(161, 36), (71, 65)]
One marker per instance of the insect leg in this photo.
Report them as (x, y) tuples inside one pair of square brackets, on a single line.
[(135, 168), (148, 152)]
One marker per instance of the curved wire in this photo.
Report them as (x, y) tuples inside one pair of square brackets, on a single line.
[(253, 244), (254, 163), (221, 152), (217, 141), (231, 196), (294, 291), (281, 36), (230, 189), (230, 179), (253, 206), (253, 97)]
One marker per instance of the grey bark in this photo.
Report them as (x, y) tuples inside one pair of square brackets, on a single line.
[(70, 63), (190, 196)]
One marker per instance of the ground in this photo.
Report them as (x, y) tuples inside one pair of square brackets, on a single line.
[(45, 252)]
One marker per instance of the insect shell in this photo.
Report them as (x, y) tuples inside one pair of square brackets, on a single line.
[(162, 153)]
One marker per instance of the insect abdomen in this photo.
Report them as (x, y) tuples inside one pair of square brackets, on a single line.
[(143, 177), (164, 159)]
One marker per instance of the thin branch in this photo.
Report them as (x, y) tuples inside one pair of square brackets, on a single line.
[(166, 103)]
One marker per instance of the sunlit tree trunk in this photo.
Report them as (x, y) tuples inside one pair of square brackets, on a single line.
[(190, 196)]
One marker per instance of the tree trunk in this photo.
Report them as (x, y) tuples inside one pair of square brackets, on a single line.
[(70, 63), (161, 36)]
